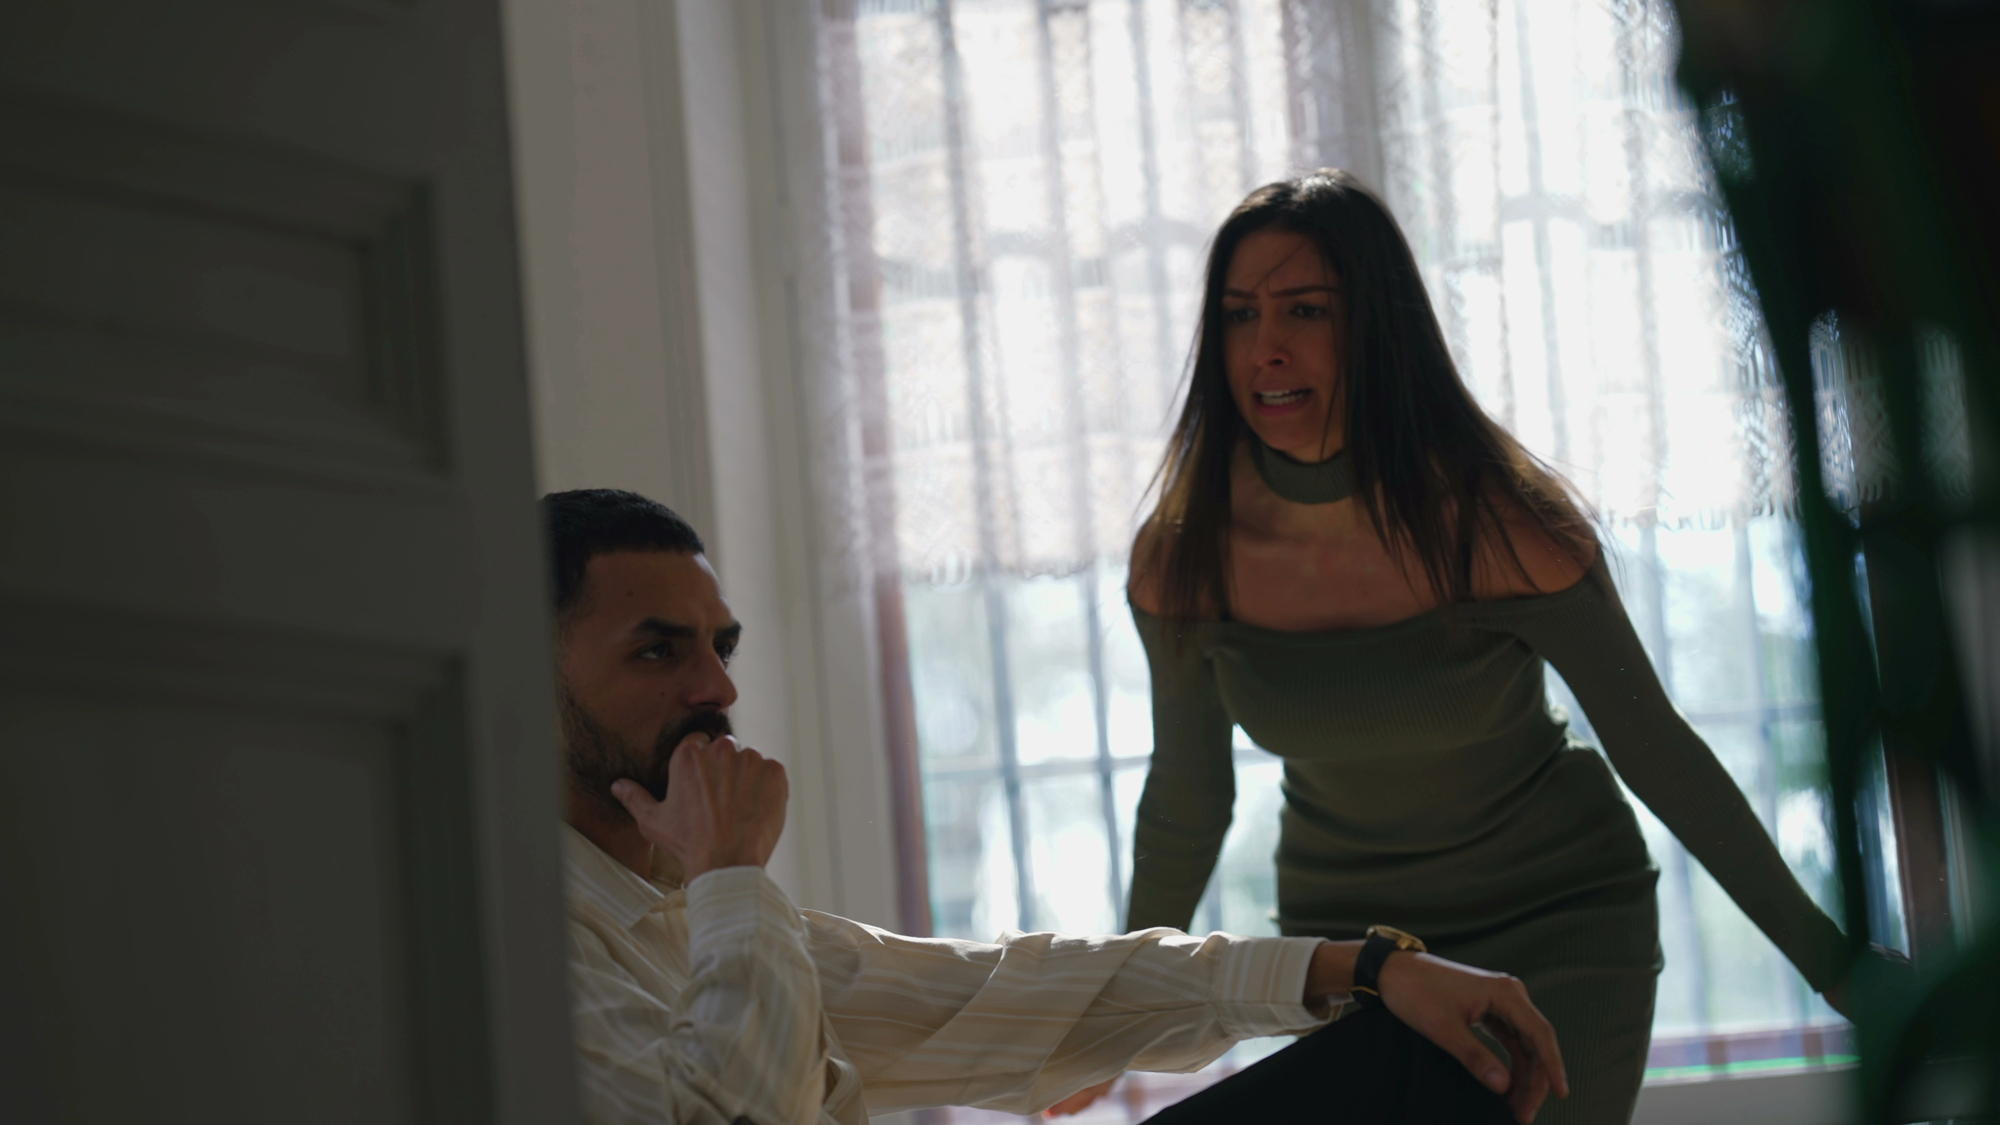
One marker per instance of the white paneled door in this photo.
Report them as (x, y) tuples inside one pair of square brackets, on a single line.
[(277, 778)]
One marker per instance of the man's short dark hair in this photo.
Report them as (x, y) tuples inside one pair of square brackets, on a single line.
[(589, 522)]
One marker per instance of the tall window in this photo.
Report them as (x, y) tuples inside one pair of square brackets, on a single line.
[(1027, 189)]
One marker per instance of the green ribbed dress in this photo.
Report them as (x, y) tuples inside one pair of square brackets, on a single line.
[(1428, 787)]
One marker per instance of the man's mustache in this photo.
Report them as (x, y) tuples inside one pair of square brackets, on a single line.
[(714, 724)]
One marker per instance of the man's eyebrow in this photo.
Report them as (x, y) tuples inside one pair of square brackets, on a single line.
[(666, 630), (1246, 294)]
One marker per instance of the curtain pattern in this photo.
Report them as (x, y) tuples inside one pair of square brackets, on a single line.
[(1039, 238), (1546, 169), (1017, 198)]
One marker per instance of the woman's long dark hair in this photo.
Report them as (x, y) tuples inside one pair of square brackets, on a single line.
[(1432, 471)]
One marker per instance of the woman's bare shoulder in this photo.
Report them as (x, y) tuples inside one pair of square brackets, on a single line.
[(1531, 560)]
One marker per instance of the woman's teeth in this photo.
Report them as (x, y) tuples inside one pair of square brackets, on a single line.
[(1280, 398)]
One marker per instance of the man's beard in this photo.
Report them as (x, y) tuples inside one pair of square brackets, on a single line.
[(597, 755)]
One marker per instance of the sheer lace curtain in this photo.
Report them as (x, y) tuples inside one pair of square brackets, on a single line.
[(1003, 207)]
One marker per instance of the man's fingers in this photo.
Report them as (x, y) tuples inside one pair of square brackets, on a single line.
[(1477, 1057), (1534, 1031), (1530, 1086), (634, 797), (1527, 1095), (1079, 1101)]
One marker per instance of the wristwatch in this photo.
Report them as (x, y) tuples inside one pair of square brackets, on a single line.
[(1382, 941)]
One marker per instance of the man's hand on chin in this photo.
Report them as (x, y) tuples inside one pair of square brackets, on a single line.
[(725, 806)]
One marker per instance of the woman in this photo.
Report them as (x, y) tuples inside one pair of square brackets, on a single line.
[(1354, 563)]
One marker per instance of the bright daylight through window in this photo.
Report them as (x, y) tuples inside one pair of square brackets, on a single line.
[(1028, 189)]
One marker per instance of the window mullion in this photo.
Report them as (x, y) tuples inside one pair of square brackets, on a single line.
[(1541, 208), (989, 569), (1152, 232)]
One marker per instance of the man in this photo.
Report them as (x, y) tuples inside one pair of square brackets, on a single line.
[(701, 994)]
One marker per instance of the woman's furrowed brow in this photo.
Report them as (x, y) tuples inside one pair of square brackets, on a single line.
[(1245, 294)]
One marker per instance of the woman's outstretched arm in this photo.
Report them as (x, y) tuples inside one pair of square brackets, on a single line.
[(1190, 791), (1585, 633)]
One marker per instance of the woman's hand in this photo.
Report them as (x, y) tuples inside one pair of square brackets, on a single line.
[(1890, 963), (1081, 1100), (1444, 1000)]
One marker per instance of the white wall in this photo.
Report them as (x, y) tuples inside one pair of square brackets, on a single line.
[(660, 339), (602, 199)]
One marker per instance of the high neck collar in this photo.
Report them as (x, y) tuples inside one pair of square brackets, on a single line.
[(1322, 482)]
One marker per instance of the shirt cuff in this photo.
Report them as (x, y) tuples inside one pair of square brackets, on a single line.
[(731, 904), (1262, 986)]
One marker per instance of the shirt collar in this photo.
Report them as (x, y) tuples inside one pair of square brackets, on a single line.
[(606, 884)]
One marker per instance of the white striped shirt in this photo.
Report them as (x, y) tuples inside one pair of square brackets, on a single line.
[(722, 1003)]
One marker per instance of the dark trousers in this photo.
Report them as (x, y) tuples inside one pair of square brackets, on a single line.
[(1360, 1070)]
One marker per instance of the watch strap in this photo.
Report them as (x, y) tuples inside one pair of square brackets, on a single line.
[(1375, 951)]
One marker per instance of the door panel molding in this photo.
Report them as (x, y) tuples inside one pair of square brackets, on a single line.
[(409, 702), (270, 573), (92, 649), (307, 339)]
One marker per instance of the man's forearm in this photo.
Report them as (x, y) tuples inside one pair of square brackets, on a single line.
[(1132, 992), (1332, 971)]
